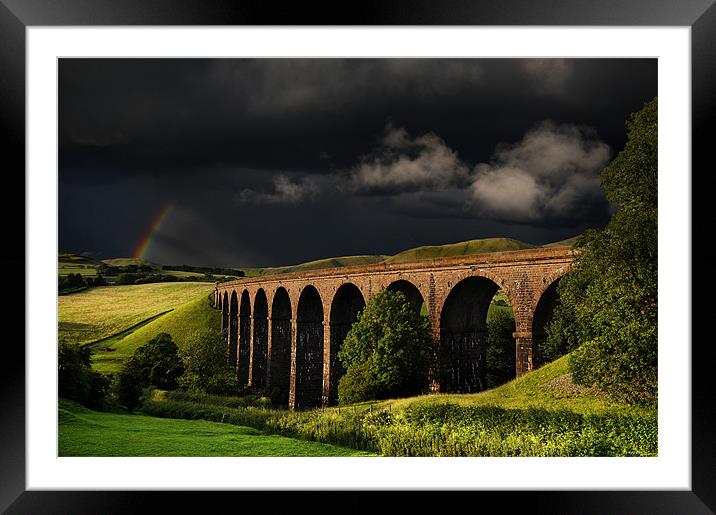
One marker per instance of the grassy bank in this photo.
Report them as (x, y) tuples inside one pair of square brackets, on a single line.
[(541, 414), (181, 323), (89, 433), (97, 313)]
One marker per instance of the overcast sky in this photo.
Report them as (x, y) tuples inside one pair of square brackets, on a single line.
[(267, 162)]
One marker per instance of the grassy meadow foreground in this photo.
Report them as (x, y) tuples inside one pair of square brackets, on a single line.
[(83, 432), (540, 414)]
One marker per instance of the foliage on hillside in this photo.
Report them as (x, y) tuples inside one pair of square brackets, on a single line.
[(154, 364), (608, 306)]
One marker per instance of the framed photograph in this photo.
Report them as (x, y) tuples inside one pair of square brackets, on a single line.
[(231, 137)]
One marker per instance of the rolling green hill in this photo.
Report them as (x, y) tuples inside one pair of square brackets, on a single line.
[(97, 313), (563, 243), (71, 263), (462, 248), (184, 322), (336, 262)]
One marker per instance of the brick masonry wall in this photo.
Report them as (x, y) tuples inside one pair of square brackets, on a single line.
[(523, 275)]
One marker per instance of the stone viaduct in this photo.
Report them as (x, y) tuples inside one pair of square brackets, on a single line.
[(285, 330)]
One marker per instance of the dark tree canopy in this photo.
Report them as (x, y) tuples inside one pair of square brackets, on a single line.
[(157, 363), (608, 307), (206, 367), (388, 351), (76, 380)]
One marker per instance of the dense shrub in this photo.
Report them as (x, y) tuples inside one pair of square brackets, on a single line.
[(70, 282), (608, 304), (76, 379), (156, 364), (206, 364), (391, 346), (500, 361)]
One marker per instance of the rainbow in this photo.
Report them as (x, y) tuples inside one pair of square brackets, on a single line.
[(141, 250)]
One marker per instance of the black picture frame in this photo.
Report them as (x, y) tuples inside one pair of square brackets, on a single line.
[(17, 15)]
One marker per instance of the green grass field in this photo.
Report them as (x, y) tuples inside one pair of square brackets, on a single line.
[(182, 323), (98, 313), (89, 433), (540, 414)]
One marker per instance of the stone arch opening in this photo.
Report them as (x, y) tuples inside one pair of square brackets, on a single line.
[(260, 340), (280, 366), (544, 311), (233, 326), (501, 356), (309, 349), (412, 293), (463, 335), (225, 316), (244, 354), (347, 303)]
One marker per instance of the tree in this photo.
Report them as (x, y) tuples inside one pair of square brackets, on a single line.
[(608, 303), (76, 380), (157, 363), (206, 367), (387, 352), (500, 361)]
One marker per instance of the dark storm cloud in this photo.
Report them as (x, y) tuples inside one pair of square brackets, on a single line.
[(275, 161)]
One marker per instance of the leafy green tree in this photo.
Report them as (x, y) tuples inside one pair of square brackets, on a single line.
[(608, 303), (500, 360), (76, 379), (387, 352), (206, 368), (157, 363)]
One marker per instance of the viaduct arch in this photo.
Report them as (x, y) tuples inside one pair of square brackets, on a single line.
[(285, 331)]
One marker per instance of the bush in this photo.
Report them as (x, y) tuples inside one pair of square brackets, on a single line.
[(356, 385), (500, 361), (392, 348), (71, 282), (76, 379), (155, 364), (206, 364), (608, 303)]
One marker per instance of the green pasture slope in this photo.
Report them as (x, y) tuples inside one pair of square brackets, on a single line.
[(194, 315), (83, 432), (102, 312), (540, 414)]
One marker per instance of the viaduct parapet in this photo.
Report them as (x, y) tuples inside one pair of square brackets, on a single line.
[(284, 331)]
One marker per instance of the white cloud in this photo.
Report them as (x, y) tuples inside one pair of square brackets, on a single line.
[(402, 163), (552, 172)]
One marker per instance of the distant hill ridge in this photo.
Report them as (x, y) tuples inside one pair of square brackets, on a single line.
[(462, 248)]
